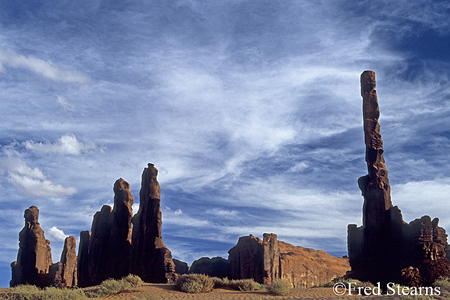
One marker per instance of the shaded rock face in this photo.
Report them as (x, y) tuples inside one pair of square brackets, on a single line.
[(98, 246), (83, 259), (108, 254), (269, 259), (150, 258), (64, 273), (34, 258), (214, 267), (387, 249), (181, 267), (247, 259)]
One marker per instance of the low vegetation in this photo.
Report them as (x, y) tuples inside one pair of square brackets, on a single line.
[(415, 297), (114, 286), (279, 287), (355, 283), (195, 283), (443, 282), (246, 285), (31, 292), (199, 283)]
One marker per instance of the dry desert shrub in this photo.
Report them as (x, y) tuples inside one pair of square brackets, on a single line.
[(415, 297), (195, 283), (134, 280), (279, 287), (114, 286), (246, 285), (31, 292), (443, 282)]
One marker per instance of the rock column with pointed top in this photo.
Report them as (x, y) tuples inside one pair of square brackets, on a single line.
[(64, 273), (150, 258), (119, 243), (387, 249), (34, 258)]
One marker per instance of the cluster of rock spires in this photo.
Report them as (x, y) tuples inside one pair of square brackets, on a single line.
[(118, 244), (387, 249)]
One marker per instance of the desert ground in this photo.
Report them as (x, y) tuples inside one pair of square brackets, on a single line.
[(169, 292)]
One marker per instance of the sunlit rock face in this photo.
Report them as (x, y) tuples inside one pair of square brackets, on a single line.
[(387, 249), (150, 258), (34, 258), (269, 259)]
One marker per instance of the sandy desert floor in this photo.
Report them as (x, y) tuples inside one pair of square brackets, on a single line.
[(169, 292), (165, 291)]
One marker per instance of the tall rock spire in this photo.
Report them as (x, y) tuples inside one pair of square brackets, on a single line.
[(34, 258), (151, 260), (119, 243), (375, 186), (387, 249)]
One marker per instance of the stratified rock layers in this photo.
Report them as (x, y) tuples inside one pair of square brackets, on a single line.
[(150, 258), (386, 249), (269, 259), (34, 258)]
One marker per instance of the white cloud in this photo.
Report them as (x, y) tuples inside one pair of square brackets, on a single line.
[(66, 144), (31, 181), (40, 67), (419, 198), (55, 234)]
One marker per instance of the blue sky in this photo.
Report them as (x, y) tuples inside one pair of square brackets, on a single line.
[(251, 111)]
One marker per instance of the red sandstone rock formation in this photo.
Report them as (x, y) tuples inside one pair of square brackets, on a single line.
[(64, 273), (34, 258), (386, 249), (269, 259), (83, 259), (119, 243), (214, 267), (98, 246), (110, 243), (150, 258)]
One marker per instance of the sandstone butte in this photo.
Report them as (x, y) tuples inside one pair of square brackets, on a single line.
[(269, 259), (386, 248)]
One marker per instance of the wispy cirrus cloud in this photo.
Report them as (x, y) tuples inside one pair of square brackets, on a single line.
[(11, 59), (67, 144)]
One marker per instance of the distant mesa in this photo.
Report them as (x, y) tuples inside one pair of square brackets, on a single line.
[(214, 267), (387, 249)]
